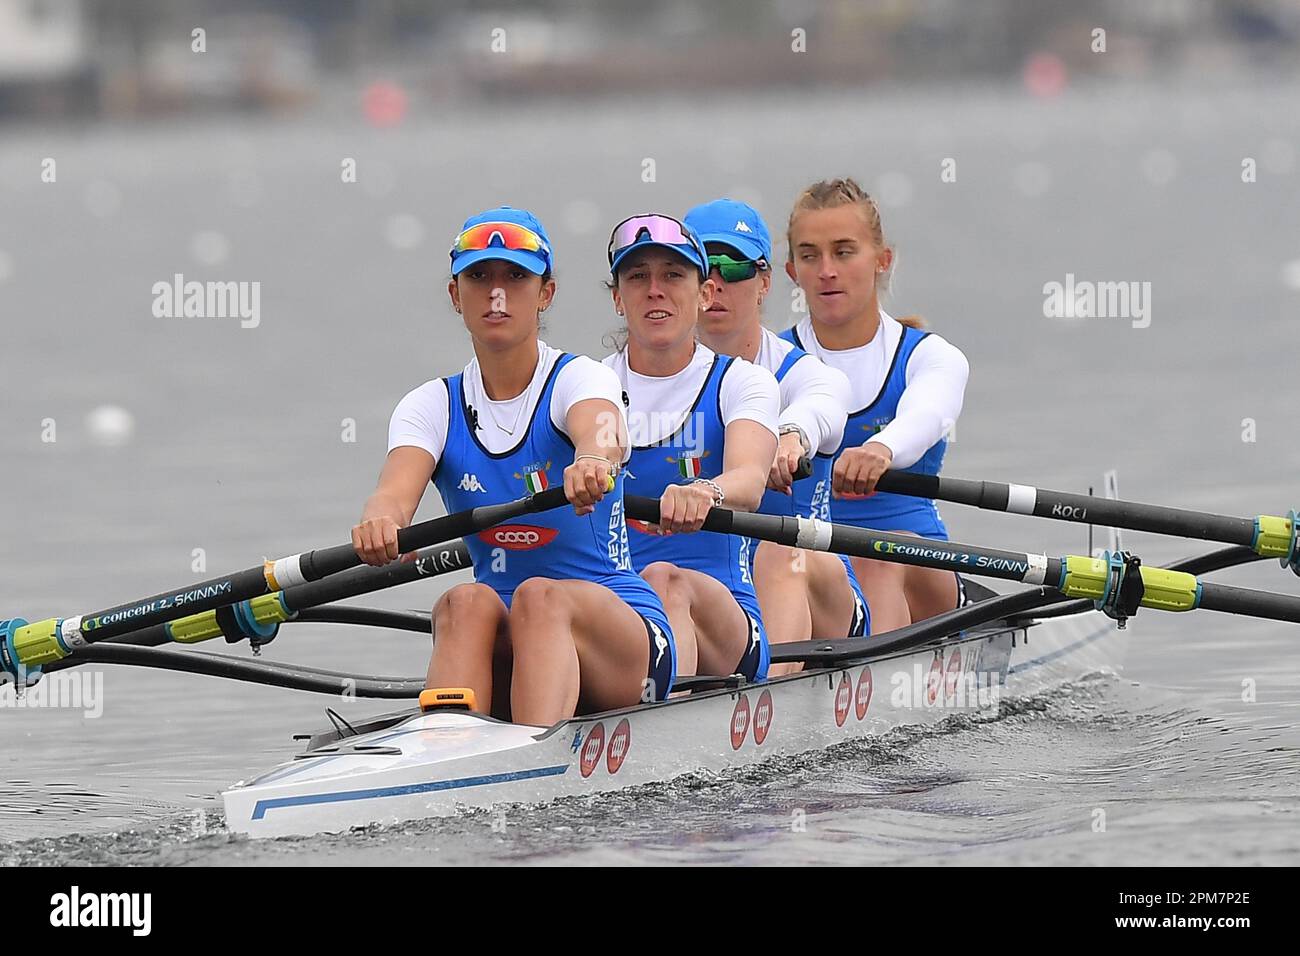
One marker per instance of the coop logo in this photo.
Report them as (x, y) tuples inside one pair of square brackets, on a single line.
[(591, 750), (518, 537)]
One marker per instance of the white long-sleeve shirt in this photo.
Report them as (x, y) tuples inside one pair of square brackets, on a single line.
[(814, 396), (932, 398)]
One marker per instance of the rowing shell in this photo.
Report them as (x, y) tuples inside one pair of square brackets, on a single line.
[(412, 766)]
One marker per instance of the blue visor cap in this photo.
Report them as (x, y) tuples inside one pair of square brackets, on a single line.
[(504, 233), (734, 223), (652, 229)]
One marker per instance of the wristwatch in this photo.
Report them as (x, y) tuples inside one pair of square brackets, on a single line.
[(803, 439)]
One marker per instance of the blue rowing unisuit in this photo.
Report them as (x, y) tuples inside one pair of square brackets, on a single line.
[(882, 510), (556, 544), (696, 450)]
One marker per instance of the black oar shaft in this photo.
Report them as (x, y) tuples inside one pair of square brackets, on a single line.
[(1235, 600), (430, 562), (1076, 576), (24, 646), (311, 566), (1064, 506), (863, 542)]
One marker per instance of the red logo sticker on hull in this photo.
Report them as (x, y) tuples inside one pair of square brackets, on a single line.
[(935, 679), (518, 537), (619, 742), (739, 722), (591, 749), (763, 717), (952, 675), (862, 700), (843, 698)]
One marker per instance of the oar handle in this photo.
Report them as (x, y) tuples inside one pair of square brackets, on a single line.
[(326, 561)]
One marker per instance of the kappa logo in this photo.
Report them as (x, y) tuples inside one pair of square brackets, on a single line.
[(661, 642), (470, 482), (742, 226), (859, 618)]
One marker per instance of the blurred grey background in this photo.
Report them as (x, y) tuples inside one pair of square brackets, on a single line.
[(128, 440)]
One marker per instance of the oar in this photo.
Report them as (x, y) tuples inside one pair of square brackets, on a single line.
[(1017, 608), (1269, 536), (25, 647), (258, 620), (1118, 583), (1035, 602), (271, 673)]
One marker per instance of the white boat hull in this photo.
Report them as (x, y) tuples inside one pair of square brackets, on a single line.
[(439, 763)]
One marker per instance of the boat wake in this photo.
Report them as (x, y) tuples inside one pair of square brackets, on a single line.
[(992, 782)]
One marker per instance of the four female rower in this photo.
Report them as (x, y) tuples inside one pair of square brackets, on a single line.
[(802, 594), (907, 389), (703, 432), (557, 622)]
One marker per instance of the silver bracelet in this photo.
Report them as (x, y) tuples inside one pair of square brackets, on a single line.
[(796, 430), (613, 466), (719, 496)]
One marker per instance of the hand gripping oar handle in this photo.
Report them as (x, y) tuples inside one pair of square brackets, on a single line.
[(322, 563)]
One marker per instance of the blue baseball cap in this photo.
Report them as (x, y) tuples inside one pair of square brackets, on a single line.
[(655, 229), (471, 246), (734, 223)]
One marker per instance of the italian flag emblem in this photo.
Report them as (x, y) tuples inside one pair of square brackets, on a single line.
[(689, 466), (535, 481)]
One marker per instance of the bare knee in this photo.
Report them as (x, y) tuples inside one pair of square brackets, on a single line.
[(670, 583), (465, 606), (779, 562), (468, 599), (540, 612), (881, 573), (538, 596)]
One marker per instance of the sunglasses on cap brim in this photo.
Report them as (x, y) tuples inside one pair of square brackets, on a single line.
[(660, 230), (499, 235)]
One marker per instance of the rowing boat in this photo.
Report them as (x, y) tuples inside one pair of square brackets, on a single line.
[(416, 764), (412, 765)]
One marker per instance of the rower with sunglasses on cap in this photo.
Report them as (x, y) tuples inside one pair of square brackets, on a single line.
[(803, 594), (703, 433), (557, 621)]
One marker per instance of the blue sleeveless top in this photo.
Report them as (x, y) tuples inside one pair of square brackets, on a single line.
[(554, 544), (695, 450)]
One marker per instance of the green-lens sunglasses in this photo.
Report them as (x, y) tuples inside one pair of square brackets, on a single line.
[(735, 270)]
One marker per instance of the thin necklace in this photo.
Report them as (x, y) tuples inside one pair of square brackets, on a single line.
[(523, 400)]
